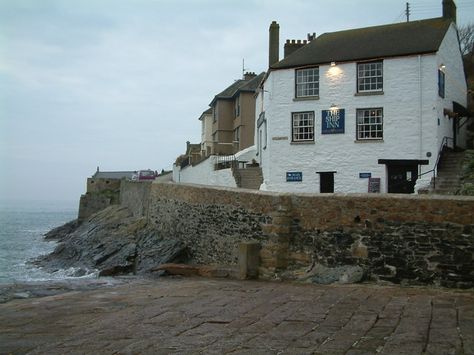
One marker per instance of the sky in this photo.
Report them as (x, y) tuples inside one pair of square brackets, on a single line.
[(120, 84)]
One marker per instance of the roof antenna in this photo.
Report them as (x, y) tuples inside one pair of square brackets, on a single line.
[(243, 68), (407, 11)]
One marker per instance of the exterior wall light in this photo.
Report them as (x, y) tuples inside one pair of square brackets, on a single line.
[(333, 64), (442, 67), (333, 107)]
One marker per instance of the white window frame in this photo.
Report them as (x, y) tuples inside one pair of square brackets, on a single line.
[(307, 82), (370, 76), (302, 126), (369, 124)]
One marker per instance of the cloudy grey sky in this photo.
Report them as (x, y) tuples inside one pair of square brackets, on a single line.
[(120, 84)]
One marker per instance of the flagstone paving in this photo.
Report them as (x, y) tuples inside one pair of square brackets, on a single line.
[(206, 316)]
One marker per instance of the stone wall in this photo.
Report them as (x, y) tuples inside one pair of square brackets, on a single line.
[(101, 193), (136, 196), (399, 238)]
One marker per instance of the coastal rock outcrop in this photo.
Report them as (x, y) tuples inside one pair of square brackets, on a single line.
[(112, 242)]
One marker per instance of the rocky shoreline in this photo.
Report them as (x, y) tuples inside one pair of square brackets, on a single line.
[(111, 242), (35, 289)]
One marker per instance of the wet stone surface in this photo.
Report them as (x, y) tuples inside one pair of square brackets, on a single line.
[(205, 316)]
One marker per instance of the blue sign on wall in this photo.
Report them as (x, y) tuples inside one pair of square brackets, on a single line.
[(294, 176), (332, 121), (365, 175)]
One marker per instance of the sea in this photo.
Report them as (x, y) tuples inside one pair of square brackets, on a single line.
[(22, 228)]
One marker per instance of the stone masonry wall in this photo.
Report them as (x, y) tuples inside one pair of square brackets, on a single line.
[(136, 196), (403, 239), (100, 194)]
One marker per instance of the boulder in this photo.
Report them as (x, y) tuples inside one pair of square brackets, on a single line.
[(345, 274)]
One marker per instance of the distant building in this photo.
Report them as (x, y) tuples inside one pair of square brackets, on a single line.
[(362, 110), (233, 116), (206, 132)]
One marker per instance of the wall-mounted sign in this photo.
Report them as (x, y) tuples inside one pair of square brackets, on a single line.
[(332, 121), (279, 138), (292, 176), (374, 185), (365, 175)]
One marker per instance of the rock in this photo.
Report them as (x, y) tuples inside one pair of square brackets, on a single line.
[(112, 242), (345, 274), (61, 232)]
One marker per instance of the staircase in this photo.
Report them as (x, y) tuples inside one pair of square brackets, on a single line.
[(248, 178), (448, 181)]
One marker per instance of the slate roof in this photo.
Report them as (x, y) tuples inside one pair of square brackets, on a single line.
[(113, 174), (408, 38), (239, 86), (207, 112)]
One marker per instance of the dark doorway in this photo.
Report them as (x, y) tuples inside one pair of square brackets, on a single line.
[(402, 174), (402, 178), (326, 182)]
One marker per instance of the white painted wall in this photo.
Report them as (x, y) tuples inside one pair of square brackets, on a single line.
[(204, 174), (411, 110)]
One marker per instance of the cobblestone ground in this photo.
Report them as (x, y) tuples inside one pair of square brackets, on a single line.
[(202, 316)]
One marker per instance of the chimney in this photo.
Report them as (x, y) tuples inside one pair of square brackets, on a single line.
[(449, 10), (311, 36), (293, 45), (249, 75), (274, 44)]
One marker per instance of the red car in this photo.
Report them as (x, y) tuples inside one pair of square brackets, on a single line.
[(143, 175)]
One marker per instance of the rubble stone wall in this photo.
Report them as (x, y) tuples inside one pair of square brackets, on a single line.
[(404, 239)]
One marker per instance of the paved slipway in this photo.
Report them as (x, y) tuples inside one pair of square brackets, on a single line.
[(207, 316)]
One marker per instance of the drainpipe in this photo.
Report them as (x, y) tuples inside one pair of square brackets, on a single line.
[(421, 106), (421, 111)]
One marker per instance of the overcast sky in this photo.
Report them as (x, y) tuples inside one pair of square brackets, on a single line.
[(120, 84)]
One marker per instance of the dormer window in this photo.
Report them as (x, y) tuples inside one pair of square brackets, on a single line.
[(307, 82), (370, 77)]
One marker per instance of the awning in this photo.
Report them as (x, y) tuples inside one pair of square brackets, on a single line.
[(460, 110), (403, 161)]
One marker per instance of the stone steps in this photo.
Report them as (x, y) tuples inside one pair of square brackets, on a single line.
[(249, 178), (448, 180)]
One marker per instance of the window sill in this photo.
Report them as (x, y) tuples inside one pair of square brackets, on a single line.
[(369, 141), (308, 98), (369, 93), (302, 143)]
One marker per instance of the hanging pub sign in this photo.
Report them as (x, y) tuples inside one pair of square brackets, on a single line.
[(292, 176), (332, 121)]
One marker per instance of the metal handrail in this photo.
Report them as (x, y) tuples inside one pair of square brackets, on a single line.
[(444, 143)]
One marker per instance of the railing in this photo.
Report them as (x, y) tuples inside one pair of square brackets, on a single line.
[(225, 161), (444, 144)]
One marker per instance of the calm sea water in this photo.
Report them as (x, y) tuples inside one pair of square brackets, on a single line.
[(22, 226)]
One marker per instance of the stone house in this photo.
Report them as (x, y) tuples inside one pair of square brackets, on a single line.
[(206, 132), (362, 110), (233, 116)]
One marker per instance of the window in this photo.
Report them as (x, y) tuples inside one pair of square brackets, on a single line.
[(370, 123), (214, 113), (307, 82), (303, 126), (237, 134), (369, 77), (441, 79), (237, 107)]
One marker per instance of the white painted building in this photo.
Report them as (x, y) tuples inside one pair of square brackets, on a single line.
[(364, 104)]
